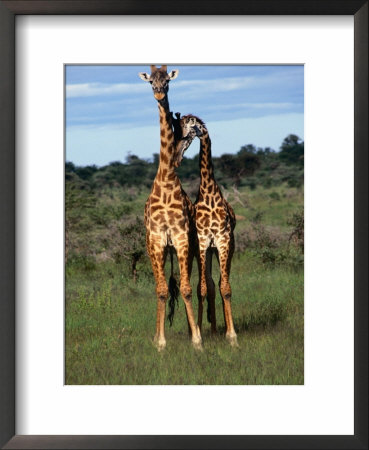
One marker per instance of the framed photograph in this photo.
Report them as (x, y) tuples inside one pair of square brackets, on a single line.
[(275, 95), (115, 201)]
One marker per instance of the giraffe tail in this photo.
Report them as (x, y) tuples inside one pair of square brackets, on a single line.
[(173, 292)]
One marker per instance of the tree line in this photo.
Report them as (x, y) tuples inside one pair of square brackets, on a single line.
[(250, 166)]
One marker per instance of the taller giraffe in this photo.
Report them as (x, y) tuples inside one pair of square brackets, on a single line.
[(215, 222), (169, 213)]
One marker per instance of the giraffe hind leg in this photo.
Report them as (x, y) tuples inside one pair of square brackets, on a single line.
[(210, 287), (173, 290), (200, 297), (225, 253), (202, 285), (192, 254)]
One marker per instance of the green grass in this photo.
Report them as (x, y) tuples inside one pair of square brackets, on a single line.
[(110, 319), (273, 205), (110, 323)]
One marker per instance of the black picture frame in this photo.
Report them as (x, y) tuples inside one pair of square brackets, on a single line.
[(8, 12)]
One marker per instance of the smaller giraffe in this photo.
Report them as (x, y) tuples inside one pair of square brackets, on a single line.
[(215, 222)]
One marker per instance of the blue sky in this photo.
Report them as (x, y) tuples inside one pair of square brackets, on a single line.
[(111, 112)]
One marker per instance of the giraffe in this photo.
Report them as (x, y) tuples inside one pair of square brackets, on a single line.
[(169, 215), (215, 223)]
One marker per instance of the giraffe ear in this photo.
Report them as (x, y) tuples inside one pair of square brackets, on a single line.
[(144, 76), (173, 74)]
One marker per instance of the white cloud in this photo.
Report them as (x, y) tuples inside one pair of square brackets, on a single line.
[(98, 89), (198, 87), (202, 87), (219, 84), (260, 105)]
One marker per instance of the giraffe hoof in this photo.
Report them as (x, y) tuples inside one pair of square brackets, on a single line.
[(159, 343), (197, 341), (198, 346), (232, 339)]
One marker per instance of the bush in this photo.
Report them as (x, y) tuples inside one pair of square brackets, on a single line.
[(297, 235), (82, 262), (269, 245), (126, 240), (275, 196)]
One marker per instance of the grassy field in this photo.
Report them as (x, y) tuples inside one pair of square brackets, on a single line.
[(110, 318)]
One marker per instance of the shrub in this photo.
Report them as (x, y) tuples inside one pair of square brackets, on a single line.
[(269, 245), (297, 234), (275, 196), (256, 218), (126, 240), (82, 262)]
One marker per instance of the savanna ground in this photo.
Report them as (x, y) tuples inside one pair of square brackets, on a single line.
[(110, 291)]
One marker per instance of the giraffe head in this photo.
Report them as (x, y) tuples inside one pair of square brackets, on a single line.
[(159, 80), (186, 128)]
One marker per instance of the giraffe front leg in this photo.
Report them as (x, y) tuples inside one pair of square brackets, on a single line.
[(224, 256), (157, 257), (181, 246)]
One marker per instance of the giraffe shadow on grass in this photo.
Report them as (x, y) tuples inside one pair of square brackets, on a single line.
[(254, 321)]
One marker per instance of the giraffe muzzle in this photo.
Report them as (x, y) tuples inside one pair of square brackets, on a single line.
[(159, 95), (197, 131)]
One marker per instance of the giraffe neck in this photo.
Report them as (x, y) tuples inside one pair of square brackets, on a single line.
[(206, 163), (166, 166)]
